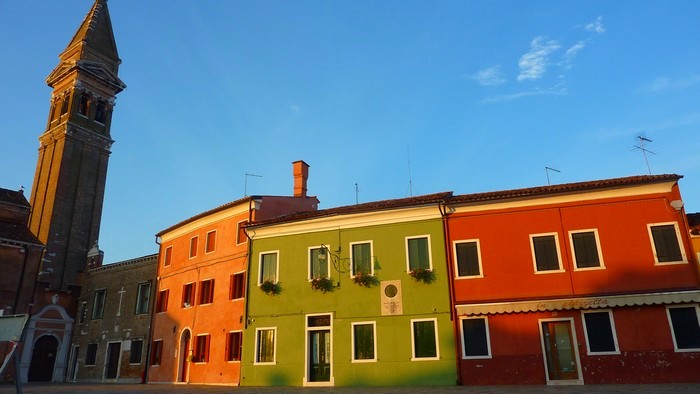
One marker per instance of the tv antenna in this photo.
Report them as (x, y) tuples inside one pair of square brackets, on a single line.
[(245, 185), (410, 178), (546, 170), (643, 148), (357, 193)]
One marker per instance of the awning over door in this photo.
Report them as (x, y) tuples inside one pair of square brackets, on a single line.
[(579, 303)]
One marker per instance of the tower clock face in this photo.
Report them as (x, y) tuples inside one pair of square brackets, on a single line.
[(391, 291)]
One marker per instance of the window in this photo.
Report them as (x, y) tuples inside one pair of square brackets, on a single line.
[(475, 338), (234, 341), (265, 345), (83, 311), (685, 327), (418, 252), (318, 267), (84, 106), (545, 252), (157, 350), (188, 295), (201, 349), (136, 351), (362, 258), (143, 297), (210, 243), (91, 355), (599, 329), (237, 288), (268, 267), (64, 105), (424, 338), (193, 246), (241, 238), (168, 255), (206, 291), (586, 249), (364, 348), (468, 259), (98, 304), (162, 302), (100, 112), (667, 245)]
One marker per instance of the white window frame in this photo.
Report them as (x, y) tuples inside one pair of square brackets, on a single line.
[(478, 253), (371, 255), (673, 333), (277, 265), (612, 327), (430, 251), (534, 257), (229, 349), (308, 260), (206, 242), (257, 346), (678, 237), (352, 342), (413, 341), (189, 251), (488, 338), (597, 244)]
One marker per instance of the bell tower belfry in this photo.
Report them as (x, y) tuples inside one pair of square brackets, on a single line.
[(69, 182)]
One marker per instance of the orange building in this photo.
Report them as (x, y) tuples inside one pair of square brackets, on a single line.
[(201, 299), (694, 224), (583, 283)]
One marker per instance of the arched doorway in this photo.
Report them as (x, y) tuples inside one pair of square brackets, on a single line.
[(185, 340), (43, 359)]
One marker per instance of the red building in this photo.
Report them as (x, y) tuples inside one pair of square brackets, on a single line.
[(581, 283)]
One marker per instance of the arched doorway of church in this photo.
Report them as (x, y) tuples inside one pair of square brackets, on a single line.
[(185, 340), (43, 359)]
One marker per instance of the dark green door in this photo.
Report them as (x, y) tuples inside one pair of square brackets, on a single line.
[(320, 356)]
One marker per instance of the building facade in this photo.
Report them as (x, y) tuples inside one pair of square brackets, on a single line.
[(583, 283), (68, 188), (201, 298), (111, 336), (350, 296)]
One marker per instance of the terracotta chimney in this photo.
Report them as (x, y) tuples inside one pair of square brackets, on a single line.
[(301, 174)]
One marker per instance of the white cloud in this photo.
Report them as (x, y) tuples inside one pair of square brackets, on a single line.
[(596, 26), (491, 76), (514, 96), (295, 108), (664, 83), (571, 53), (534, 63)]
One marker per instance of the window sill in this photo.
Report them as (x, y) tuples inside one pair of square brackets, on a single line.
[(469, 277), (550, 272), (425, 358), (271, 363), (489, 357), (364, 361), (234, 362), (656, 263), (601, 268), (617, 352)]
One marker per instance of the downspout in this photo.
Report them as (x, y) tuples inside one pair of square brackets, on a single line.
[(442, 206), (21, 279), (688, 244), (147, 368), (247, 270)]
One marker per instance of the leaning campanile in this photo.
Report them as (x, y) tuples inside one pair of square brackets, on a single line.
[(69, 182)]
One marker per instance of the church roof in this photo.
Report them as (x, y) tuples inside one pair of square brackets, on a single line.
[(13, 197), (17, 233), (96, 31)]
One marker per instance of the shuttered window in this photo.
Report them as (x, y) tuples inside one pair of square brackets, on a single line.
[(467, 257)]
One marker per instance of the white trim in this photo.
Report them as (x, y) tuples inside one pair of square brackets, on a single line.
[(308, 259), (277, 265), (430, 251), (678, 238), (488, 338), (195, 249), (574, 348), (534, 258), (673, 332), (413, 341), (371, 257), (597, 244), (612, 328), (456, 262), (352, 342), (256, 355), (206, 242), (305, 380)]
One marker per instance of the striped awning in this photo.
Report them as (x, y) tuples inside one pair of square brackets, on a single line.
[(579, 303)]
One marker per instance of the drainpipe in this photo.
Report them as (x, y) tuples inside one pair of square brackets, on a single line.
[(442, 206), (247, 271), (144, 377)]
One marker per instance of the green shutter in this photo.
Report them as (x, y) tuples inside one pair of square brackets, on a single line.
[(418, 256), (361, 258)]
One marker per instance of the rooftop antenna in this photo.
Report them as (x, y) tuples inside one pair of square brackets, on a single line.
[(410, 178), (546, 170), (357, 192), (245, 185), (642, 141)]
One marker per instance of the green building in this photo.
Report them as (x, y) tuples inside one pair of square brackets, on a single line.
[(350, 296)]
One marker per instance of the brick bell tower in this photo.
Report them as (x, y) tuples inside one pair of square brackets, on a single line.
[(69, 182)]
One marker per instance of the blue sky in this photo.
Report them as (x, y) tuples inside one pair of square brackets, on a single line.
[(480, 95)]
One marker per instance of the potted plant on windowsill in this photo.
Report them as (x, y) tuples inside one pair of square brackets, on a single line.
[(322, 284), (364, 279), (269, 287), (422, 275)]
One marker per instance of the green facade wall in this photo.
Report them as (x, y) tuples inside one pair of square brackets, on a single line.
[(348, 303)]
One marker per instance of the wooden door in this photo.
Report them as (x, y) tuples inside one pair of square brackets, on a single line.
[(559, 349)]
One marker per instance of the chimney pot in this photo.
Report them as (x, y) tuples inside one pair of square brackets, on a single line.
[(301, 174)]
